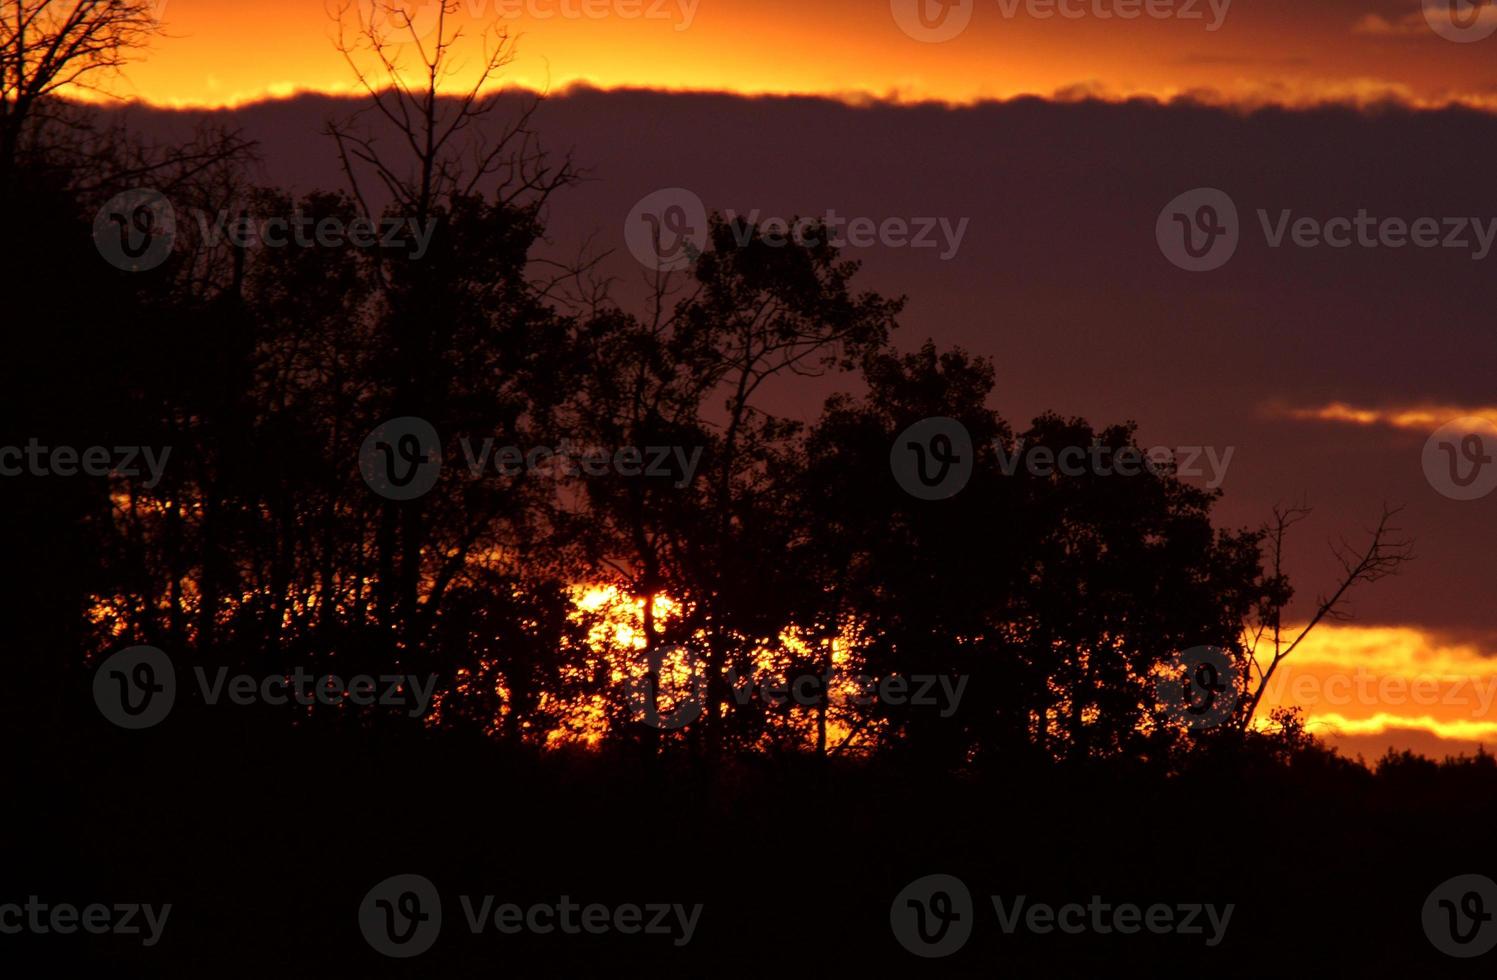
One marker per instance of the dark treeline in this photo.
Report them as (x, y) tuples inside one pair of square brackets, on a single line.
[(778, 546), (262, 547), (765, 547)]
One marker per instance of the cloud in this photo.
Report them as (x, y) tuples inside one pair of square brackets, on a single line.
[(1422, 24), (1411, 418), (1242, 62), (1409, 25), (1356, 682)]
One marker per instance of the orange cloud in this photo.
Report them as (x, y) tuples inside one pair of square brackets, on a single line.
[(1412, 418), (1263, 54), (1414, 688), (1409, 25)]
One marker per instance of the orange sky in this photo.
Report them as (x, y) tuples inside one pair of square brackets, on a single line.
[(1365, 689), (221, 51)]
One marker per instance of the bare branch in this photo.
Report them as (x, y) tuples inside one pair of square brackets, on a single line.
[(1384, 553)]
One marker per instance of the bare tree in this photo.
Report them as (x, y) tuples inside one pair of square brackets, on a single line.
[(50, 47), (1383, 553), (444, 151), (437, 152)]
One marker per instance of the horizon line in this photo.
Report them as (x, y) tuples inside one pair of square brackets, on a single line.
[(857, 99)]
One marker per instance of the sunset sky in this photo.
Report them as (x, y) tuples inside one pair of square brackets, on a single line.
[(1248, 51), (1349, 435)]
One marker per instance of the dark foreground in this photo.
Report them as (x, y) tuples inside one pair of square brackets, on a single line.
[(265, 841)]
